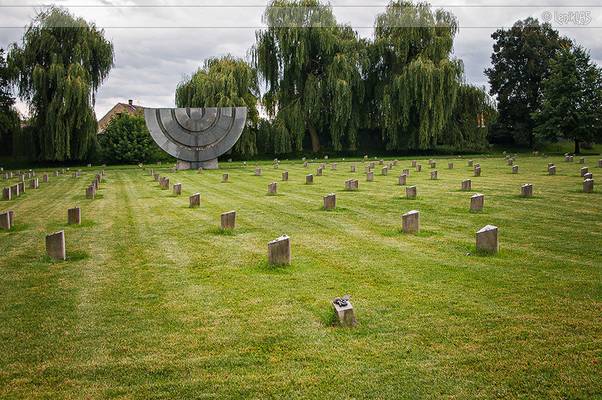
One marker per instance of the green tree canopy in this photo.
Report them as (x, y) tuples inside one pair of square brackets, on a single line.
[(127, 140), (312, 68), (416, 81), (572, 95), (59, 66), (520, 62), (225, 82), (9, 119)]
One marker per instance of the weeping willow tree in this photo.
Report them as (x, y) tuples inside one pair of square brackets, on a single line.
[(59, 66), (225, 82), (416, 81), (312, 69), (474, 112)]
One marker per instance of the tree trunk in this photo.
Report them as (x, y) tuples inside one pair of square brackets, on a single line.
[(315, 140), (577, 149)]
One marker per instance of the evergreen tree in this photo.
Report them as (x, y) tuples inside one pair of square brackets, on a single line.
[(572, 95), (225, 82), (520, 62), (60, 65)]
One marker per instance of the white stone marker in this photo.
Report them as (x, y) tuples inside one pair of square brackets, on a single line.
[(7, 193), (582, 160), (466, 185), (195, 200), (45, 178), (177, 189), (433, 164), (414, 162), (477, 171), (257, 171), (319, 171), (411, 192), (34, 183), (411, 222), (406, 172), (589, 175), (228, 220), (526, 190), (285, 176), (552, 170), (584, 170), (330, 201), (74, 216), (515, 169), (370, 176), (384, 170), (418, 167), (433, 175), (309, 179), (55, 245), (272, 188), (279, 251), (588, 186), (487, 239), (403, 178), (477, 202), (353, 168)]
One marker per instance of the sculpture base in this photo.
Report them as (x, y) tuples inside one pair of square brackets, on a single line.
[(209, 164)]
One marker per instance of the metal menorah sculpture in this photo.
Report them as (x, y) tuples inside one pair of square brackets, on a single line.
[(196, 136)]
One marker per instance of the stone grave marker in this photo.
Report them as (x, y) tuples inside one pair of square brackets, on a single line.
[(5, 220), (309, 179), (15, 190), (285, 176), (433, 175), (330, 201), (194, 200), (515, 169), (588, 185), (384, 171), (45, 178), (370, 176), (74, 216), (177, 189), (470, 163), (411, 222), (477, 171), (228, 220), (583, 171), (7, 193), (418, 167), (55, 245), (402, 180), (466, 185), (589, 175), (344, 311), (225, 178), (351, 184), (272, 188), (34, 184), (352, 167), (411, 192), (487, 239), (279, 251), (526, 190), (450, 165), (477, 202), (406, 172), (90, 192), (552, 170), (257, 171)]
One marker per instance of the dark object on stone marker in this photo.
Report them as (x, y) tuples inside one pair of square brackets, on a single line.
[(344, 311)]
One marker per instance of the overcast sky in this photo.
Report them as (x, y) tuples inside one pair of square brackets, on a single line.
[(158, 42)]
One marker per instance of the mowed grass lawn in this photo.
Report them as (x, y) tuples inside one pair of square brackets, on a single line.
[(155, 302)]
